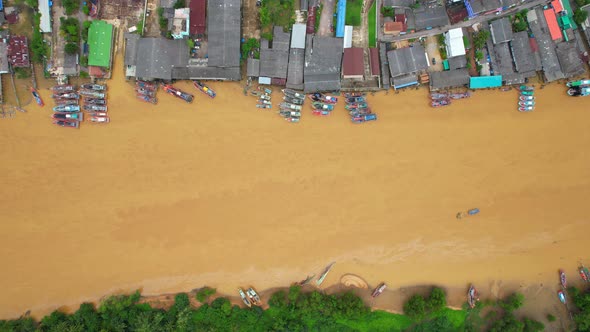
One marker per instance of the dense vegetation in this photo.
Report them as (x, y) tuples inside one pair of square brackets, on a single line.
[(520, 23), (251, 45), (276, 12), (70, 30), (71, 6), (39, 49), (581, 300), (581, 3), (580, 16)]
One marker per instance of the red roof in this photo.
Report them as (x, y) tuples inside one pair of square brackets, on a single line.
[(401, 18), (393, 27), (557, 6), (18, 51), (311, 20), (95, 71), (353, 62), (198, 16), (552, 23), (534, 45), (374, 61)]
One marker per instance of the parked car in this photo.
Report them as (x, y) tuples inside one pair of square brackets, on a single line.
[(433, 61)]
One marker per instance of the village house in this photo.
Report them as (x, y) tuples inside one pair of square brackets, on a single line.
[(405, 64)]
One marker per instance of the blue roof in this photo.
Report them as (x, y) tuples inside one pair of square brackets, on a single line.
[(482, 82), (340, 20)]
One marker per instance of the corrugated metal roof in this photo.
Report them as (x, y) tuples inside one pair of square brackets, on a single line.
[(552, 23), (352, 62), (483, 82), (45, 23), (348, 36), (374, 61), (298, 36)]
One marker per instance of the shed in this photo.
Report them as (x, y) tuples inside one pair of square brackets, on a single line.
[(374, 61), (45, 11), (454, 42), (393, 28), (100, 39), (353, 63), (198, 16), (253, 67), (348, 36), (449, 79), (298, 36), (341, 18), (264, 80), (483, 82)]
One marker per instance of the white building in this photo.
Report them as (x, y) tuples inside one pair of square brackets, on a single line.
[(45, 11), (454, 42)]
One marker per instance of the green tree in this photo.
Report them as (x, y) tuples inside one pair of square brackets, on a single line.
[(278, 299), (204, 294), (32, 3), (551, 318), (519, 25), (508, 323), (512, 302), (71, 48), (580, 16), (71, 6), (415, 307), (480, 39), (437, 299), (86, 9), (531, 325), (180, 4)]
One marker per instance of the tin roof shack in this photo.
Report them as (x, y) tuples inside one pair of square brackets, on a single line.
[(131, 45), (405, 64), (569, 59), (45, 11), (431, 17), (323, 57), (18, 51), (296, 57), (274, 60), (482, 7), (454, 42), (549, 62), (157, 57), (441, 80), (501, 30), (526, 60), (4, 68), (374, 62), (353, 65), (586, 24), (198, 16), (180, 23)]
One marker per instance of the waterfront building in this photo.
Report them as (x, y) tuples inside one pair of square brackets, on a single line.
[(405, 64)]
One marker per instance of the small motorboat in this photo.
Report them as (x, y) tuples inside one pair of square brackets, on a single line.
[(147, 99), (68, 116), (205, 89), (355, 100), (472, 296), (379, 290), (527, 93), (561, 296), (356, 106), (440, 102), (584, 273), (322, 106), (67, 95), (97, 108), (438, 95), (100, 114), (525, 108), (253, 296), (293, 119), (526, 103), (66, 123), (95, 87), (354, 94), (63, 88), (100, 119), (321, 112), (562, 279), (244, 298), (67, 108), (364, 118), (266, 106), (527, 88), (506, 89), (293, 93), (526, 98), (256, 93), (265, 96), (37, 97)]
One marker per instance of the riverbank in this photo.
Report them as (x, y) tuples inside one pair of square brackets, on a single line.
[(220, 193)]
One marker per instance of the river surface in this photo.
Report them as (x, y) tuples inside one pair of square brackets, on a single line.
[(175, 196)]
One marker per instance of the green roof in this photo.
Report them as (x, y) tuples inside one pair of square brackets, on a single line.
[(100, 37), (483, 82)]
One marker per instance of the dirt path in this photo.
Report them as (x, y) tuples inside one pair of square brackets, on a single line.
[(326, 18)]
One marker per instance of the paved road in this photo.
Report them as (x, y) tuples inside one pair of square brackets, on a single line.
[(463, 24)]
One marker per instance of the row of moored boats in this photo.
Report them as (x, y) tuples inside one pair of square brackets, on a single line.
[(579, 88), (358, 108), (68, 113), (440, 99), (292, 104), (526, 100), (264, 97)]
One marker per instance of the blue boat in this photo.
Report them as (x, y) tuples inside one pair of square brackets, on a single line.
[(67, 108)]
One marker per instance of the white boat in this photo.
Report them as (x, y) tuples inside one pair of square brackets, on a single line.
[(244, 298)]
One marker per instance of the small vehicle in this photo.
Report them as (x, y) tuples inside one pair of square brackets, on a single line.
[(66, 123)]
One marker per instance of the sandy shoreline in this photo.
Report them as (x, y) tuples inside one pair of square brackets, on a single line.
[(170, 197)]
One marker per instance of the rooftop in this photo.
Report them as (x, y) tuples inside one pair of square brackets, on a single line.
[(198, 16), (398, 3), (273, 61), (18, 51), (431, 17), (449, 79), (323, 56), (483, 6), (501, 30), (407, 60), (522, 53), (569, 59), (45, 11), (3, 58), (253, 67), (483, 82), (298, 36), (353, 64), (550, 64), (159, 55), (100, 38), (457, 62), (295, 68), (374, 61), (224, 39), (131, 42)]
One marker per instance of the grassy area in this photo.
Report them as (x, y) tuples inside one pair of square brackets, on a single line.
[(372, 27), (380, 321), (276, 12), (353, 12)]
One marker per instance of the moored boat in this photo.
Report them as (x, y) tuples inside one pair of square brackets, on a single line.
[(293, 119), (265, 96), (291, 100), (526, 98), (66, 95), (562, 279), (205, 89), (438, 95), (146, 85), (288, 113), (360, 112), (320, 112), (561, 296), (364, 118), (95, 101), (306, 280), (440, 102), (323, 98), (253, 296), (293, 93), (147, 99), (256, 93), (578, 91), (100, 119), (63, 88), (460, 95), (145, 92), (291, 106), (263, 106), (244, 298), (264, 101), (65, 102), (577, 83), (526, 103), (527, 88), (95, 87), (92, 93), (37, 97), (68, 116), (67, 123), (324, 274), (322, 106), (67, 108), (379, 289), (472, 296), (265, 90), (96, 108), (98, 114), (584, 273), (354, 94), (354, 100), (178, 93), (525, 108), (357, 106), (527, 93)]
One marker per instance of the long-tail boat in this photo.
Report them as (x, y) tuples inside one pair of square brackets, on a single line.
[(324, 274), (178, 93), (244, 298), (205, 89), (37, 97)]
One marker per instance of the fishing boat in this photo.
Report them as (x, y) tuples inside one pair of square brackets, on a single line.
[(357, 106), (263, 106), (293, 93), (95, 101), (244, 298), (506, 89), (103, 114), (68, 116), (67, 108), (354, 94), (295, 101), (440, 102), (264, 101), (295, 119), (100, 119), (178, 93), (256, 93), (354, 100), (438, 95), (92, 93), (95, 87), (306, 280), (63, 88), (96, 108), (286, 113), (291, 106), (527, 93), (360, 112), (65, 102), (472, 296), (379, 290), (146, 85), (322, 106), (265, 96), (561, 296), (525, 108), (66, 123), (37, 97), (579, 91), (562, 279), (526, 103), (527, 88), (323, 98), (364, 118), (324, 274), (460, 95), (253, 296), (320, 112), (526, 98), (67, 95), (145, 92), (584, 273), (265, 90), (571, 84), (147, 99), (205, 89)]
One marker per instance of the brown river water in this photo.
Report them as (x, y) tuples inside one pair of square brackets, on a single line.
[(176, 196)]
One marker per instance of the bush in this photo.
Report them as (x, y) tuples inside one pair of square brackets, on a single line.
[(480, 39), (84, 74), (415, 307), (512, 302), (39, 49), (580, 16), (551, 318), (251, 45), (22, 72), (71, 48), (85, 27), (71, 6), (86, 10), (70, 29), (180, 4), (32, 3), (204, 293), (437, 299), (388, 11)]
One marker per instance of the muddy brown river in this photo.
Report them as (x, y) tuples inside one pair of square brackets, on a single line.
[(176, 196)]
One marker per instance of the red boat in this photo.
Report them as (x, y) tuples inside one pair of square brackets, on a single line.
[(178, 93), (440, 102), (472, 296), (66, 123), (584, 273), (379, 289), (562, 279), (37, 97)]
